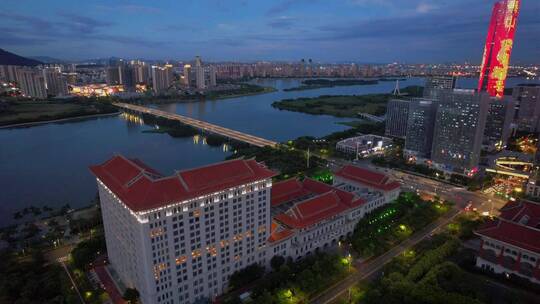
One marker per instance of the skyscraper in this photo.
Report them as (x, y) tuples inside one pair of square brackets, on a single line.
[(187, 75), (421, 121), (162, 78), (397, 114), (498, 122), (499, 43), (199, 74), (435, 85), (459, 130), (527, 98)]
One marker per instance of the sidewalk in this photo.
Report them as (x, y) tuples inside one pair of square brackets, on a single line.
[(108, 283)]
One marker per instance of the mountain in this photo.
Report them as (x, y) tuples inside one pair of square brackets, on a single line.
[(47, 59), (7, 58)]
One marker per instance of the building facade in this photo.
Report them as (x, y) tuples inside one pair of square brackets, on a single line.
[(527, 98), (437, 85), (420, 125), (31, 83), (498, 122), (179, 238), (364, 145), (459, 130), (55, 82), (162, 78), (511, 243), (397, 114)]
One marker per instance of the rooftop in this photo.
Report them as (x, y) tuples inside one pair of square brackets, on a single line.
[(368, 178), (518, 225), (143, 188)]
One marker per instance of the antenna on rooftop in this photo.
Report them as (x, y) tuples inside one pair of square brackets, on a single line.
[(396, 89)]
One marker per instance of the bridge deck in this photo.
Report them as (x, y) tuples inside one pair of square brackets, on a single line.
[(199, 124)]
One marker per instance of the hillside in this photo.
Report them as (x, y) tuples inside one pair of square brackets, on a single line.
[(7, 58)]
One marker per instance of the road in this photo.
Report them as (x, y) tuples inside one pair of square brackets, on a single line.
[(72, 281), (199, 124), (370, 267)]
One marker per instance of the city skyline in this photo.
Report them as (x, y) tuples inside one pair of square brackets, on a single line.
[(367, 31)]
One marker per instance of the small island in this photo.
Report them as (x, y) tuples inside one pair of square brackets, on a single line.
[(344, 105), (311, 84)]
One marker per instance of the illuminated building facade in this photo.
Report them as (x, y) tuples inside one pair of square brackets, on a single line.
[(499, 43)]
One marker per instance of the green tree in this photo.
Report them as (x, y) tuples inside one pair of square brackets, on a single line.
[(131, 295)]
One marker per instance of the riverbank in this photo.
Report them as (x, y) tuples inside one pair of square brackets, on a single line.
[(311, 84), (20, 114), (36, 123)]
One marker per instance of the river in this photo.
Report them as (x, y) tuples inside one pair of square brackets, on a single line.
[(48, 164)]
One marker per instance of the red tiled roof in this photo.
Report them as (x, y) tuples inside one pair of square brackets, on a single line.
[(367, 177), (287, 190), (327, 203), (511, 233), (518, 225), (142, 188), (279, 233)]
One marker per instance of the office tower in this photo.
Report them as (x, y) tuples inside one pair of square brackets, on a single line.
[(113, 75), (527, 98), (436, 85), (179, 238), (420, 125), (212, 76), (499, 43), (55, 82), (199, 74), (397, 115), (498, 121), (162, 78), (187, 75), (31, 83), (459, 129)]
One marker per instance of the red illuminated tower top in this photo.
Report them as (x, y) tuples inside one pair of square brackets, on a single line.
[(499, 42)]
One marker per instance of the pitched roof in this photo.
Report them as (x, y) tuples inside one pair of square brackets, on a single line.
[(279, 233), (367, 177), (142, 188), (326, 203), (517, 225)]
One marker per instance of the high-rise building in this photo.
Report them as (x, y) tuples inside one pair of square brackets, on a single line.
[(113, 75), (140, 73), (31, 83), (162, 78), (212, 76), (498, 48), (179, 238), (125, 76), (55, 82), (420, 125), (527, 98), (437, 85), (8, 72), (397, 115), (459, 130), (498, 122), (199, 74), (187, 75)]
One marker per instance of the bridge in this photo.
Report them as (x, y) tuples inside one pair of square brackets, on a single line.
[(202, 125)]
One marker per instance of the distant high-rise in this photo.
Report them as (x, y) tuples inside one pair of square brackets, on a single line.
[(527, 98), (55, 82), (8, 72), (199, 74), (162, 78), (421, 121), (212, 76), (436, 85), (31, 83), (498, 122), (459, 130), (187, 75), (140, 73), (397, 113), (499, 43), (113, 75)]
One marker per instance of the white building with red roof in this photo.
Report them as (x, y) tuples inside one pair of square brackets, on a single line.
[(178, 238), (356, 179), (511, 243)]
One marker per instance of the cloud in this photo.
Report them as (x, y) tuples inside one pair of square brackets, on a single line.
[(285, 5), (282, 22)]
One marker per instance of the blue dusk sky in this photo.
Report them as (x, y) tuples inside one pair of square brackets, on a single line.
[(366, 31)]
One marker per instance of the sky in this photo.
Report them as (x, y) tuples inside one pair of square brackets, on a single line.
[(364, 31)]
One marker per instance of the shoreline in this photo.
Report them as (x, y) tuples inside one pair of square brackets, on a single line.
[(35, 123)]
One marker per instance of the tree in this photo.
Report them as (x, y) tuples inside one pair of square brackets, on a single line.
[(131, 295), (276, 262)]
